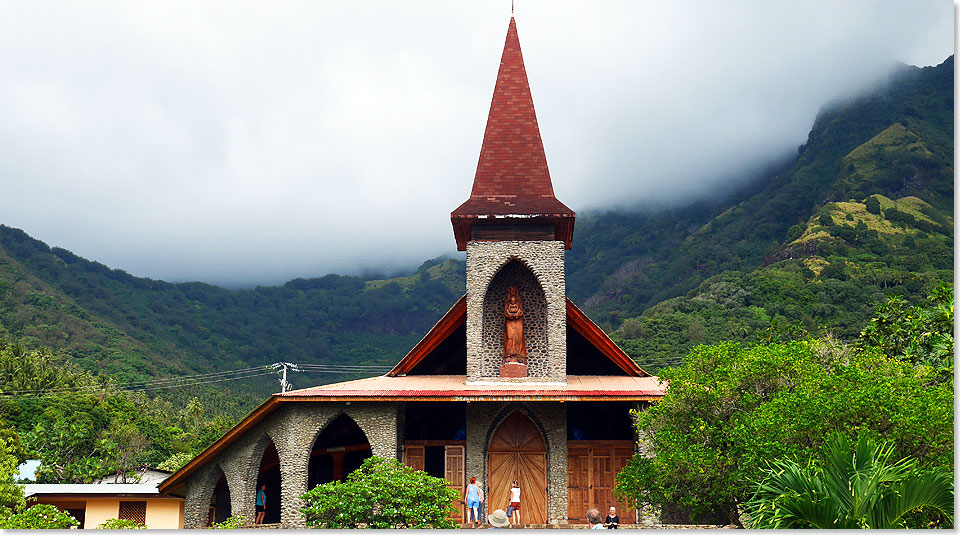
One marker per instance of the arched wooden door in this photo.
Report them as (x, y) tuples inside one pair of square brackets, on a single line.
[(518, 452)]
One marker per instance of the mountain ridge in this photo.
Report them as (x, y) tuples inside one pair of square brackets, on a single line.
[(634, 273)]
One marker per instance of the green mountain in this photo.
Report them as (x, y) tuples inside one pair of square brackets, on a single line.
[(864, 210)]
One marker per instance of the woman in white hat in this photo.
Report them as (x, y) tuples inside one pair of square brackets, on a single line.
[(499, 519)]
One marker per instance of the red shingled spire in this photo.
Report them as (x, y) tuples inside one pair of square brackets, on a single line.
[(512, 177)]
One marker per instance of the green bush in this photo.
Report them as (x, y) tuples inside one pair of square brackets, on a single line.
[(381, 494), (40, 516), (117, 523), (233, 522)]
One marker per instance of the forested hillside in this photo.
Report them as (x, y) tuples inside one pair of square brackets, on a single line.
[(865, 210)]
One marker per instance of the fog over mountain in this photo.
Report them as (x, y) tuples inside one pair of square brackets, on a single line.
[(246, 143)]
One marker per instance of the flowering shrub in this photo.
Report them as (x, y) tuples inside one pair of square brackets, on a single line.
[(40, 516), (381, 494), (117, 523)]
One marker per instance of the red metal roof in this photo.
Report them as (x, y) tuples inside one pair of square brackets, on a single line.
[(456, 388), (512, 176)]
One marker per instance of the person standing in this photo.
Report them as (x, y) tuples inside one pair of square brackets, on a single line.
[(472, 498), (515, 502), (261, 503), (612, 521), (593, 517)]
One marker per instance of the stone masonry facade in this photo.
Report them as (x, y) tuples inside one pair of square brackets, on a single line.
[(546, 344), (551, 417), (293, 429)]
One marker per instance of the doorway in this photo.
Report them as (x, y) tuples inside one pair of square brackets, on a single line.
[(518, 452)]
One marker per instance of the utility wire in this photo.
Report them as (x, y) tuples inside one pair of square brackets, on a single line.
[(202, 379)]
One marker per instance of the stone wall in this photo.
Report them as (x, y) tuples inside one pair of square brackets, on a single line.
[(545, 260), (483, 418), (293, 429)]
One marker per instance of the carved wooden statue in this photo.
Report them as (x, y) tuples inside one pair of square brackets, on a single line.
[(514, 346)]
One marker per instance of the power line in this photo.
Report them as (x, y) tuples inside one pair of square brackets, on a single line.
[(205, 378)]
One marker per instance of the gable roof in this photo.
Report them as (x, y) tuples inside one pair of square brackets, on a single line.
[(512, 177), (576, 319)]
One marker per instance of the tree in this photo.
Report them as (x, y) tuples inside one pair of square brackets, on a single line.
[(921, 334), (382, 493), (730, 408), (862, 488)]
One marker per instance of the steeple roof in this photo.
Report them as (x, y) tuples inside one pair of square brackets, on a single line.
[(512, 177)]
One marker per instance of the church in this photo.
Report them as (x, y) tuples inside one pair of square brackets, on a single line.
[(514, 382)]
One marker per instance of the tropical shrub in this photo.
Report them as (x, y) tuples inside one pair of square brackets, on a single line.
[(121, 523), (857, 487), (382, 493), (40, 516), (233, 522)]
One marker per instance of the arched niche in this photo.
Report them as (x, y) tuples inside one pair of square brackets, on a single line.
[(514, 273), (268, 472), (220, 498), (340, 448)]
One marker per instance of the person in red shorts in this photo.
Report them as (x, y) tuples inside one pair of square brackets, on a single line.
[(515, 502)]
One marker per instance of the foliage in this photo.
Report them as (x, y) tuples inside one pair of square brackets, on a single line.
[(381, 494), (862, 488), (175, 461), (99, 432), (729, 408), (11, 493), (232, 522), (117, 523), (922, 334), (40, 516)]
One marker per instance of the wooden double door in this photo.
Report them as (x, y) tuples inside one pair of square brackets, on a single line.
[(592, 467), (518, 452)]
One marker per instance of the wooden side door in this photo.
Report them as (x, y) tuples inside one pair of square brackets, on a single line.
[(517, 452), (414, 457), (602, 477), (454, 471), (578, 483)]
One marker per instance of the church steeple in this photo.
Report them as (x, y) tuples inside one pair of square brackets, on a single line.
[(512, 196)]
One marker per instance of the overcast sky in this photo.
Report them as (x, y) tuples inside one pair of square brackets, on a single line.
[(253, 142)]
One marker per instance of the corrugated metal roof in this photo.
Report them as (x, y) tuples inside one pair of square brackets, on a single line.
[(34, 489), (456, 386)]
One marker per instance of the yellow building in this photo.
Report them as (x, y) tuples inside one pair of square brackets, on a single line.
[(94, 504)]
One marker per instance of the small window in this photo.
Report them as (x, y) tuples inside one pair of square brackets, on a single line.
[(136, 511)]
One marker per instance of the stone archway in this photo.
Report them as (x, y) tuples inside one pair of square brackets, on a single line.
[(518, 452), (268, 473), (339, 448), (220, 506)]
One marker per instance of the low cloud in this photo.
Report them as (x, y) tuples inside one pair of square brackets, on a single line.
[(252, 142)]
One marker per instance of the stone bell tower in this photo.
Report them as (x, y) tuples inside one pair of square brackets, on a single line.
[(515, 233)]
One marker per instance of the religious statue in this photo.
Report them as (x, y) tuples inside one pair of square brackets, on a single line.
[(514, 346)]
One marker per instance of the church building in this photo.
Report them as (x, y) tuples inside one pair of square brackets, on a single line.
[(514, 382)]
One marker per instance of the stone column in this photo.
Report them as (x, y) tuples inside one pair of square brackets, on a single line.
[(553, 417), (380, 422), (196, 504)]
